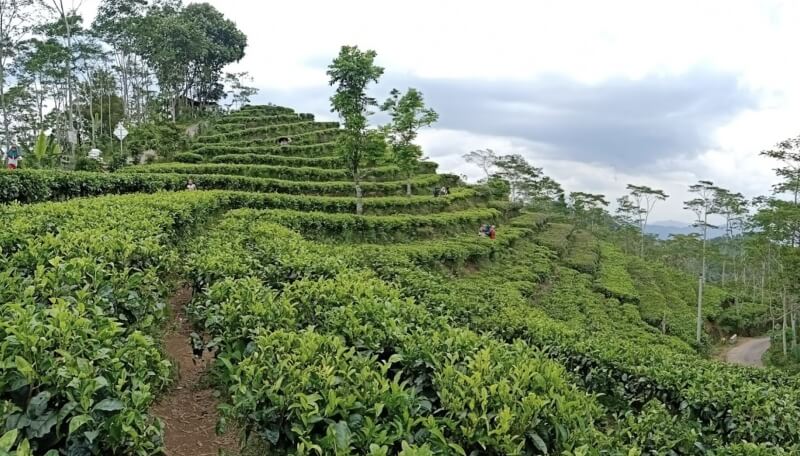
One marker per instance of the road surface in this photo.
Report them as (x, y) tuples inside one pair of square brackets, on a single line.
[(748, 352)]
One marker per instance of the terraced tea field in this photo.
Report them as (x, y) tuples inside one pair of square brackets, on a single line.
[(400, 331)]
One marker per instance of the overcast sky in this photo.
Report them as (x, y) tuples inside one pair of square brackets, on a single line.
[(599, 94)]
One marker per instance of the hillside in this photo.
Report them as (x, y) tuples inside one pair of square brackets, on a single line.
[(400, 331)]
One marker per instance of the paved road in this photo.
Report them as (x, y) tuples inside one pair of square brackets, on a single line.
[(748, 352)]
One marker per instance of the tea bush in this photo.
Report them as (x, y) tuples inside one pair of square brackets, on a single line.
[(269, 131), (383, 173), (318, 150), (189, 157)]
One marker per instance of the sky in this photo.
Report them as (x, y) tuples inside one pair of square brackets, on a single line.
[(599, 94)]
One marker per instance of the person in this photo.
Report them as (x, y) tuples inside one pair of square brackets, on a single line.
[(484, 231), (284, 141), (13, 157), (492, 232), (443, 191), (190, 186), (436, 192)]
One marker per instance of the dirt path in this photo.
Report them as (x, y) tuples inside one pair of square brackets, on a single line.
[(748, 351), (189, 409)]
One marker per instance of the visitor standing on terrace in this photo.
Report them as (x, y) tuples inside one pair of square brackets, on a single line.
[(492, 232), (190, 186)]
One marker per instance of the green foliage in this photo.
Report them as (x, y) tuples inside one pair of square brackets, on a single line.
[(278, 160), (352, 71), (613, 279), (317, 150), (294, 173), (370, 321), (88, 164), (165, 139), (244, 119), (376, 228), (556, 236), (268, 132), (81, 303), (409, 114), (192, 40), (582, 253), (45, 153), (188, 157), (331, 340), (301, 138)]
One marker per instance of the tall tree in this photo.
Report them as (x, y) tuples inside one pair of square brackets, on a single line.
[(733, 208), (484, 159), (522, 177), (67, 14), (409, 114), (639, 204), (587, 206), (776, 220), (188, 49), (117, 23), (351, 72), (16, 20), (787, 152), (237, 92), (703, 205)]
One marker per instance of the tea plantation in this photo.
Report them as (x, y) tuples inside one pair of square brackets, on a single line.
[(400, 331)]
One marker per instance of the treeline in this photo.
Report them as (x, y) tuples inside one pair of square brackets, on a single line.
[(139, 62)]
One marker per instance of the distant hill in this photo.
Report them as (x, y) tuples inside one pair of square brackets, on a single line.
[(663, 229)]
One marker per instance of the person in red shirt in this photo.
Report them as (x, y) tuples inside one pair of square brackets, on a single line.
[(492, 232)]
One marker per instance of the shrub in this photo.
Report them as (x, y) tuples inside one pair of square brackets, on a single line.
[(164, 138), (88, 164), (189, 157)]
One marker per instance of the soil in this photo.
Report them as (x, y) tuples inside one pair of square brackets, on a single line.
[(189, 409), (748, 351)]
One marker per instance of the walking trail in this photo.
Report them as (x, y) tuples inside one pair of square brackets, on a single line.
[(748, 351), (189, 409)]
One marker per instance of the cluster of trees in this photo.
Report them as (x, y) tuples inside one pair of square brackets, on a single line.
[(514, 176), (756, 259), (360, 146), (139, 62)]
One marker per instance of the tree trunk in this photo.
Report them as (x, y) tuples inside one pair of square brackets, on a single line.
[(40, 102), (359, 200), (70, 126), (125, 83), (110, 117), (664, 322), (91, 116), (6, 136), (701, 283), (783, 325), (794, 328), (700, 309), (723, 272), (641, 247)]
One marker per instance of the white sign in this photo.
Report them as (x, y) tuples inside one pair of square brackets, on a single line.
[(72, 137), (120, 132)]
